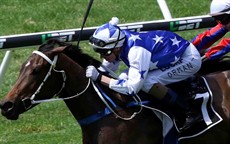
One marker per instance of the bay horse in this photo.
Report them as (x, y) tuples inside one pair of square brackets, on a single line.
[(58, 69), (84, 103)]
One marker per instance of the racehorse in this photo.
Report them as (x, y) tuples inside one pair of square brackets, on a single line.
[(58, 69), (84, 103)]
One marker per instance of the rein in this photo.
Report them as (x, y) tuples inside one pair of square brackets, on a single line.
[(28, 102), (137, 102)]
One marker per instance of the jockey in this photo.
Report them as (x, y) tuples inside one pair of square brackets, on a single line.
[(220, 11), (154, 59)]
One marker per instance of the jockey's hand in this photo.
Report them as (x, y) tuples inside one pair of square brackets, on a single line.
[(204, 58), (91, 72)]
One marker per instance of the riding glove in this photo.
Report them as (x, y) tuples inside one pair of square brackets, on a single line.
[(91, 72)]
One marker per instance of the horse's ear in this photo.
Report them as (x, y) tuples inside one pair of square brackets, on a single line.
[(59, 49)]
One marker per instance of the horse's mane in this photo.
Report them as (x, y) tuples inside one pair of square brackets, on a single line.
[(83, 59), (72, 51)]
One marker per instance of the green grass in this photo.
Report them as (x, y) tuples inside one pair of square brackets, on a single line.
[(51, 123)]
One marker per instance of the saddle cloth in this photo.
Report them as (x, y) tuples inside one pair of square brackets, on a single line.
[(197, 92)]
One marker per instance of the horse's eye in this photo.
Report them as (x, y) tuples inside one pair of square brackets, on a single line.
[(35, 71)]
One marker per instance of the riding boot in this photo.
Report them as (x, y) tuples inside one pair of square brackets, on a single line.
[(177, 103), (191, 116)]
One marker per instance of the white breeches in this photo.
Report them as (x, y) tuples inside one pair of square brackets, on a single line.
[(187, 66)]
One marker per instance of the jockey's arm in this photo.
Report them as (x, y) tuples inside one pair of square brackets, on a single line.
[(139, 59), (209, 37), (219, 50)]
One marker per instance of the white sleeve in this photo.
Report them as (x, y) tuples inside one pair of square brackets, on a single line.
[(110, 65), (139, 60)]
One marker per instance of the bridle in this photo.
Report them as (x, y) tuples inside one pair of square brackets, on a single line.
[(29, 102)]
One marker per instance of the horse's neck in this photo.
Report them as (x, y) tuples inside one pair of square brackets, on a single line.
[(76, 82), (75, 74), (219, 85)]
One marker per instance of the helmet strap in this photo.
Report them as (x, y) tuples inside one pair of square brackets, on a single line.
[(117, 37)]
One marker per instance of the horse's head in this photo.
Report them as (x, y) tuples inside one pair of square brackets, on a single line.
[(39, 78)]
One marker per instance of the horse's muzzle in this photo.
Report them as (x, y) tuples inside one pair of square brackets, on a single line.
[(7, 110), (6, 106)]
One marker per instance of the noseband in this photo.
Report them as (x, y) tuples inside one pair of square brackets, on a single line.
[(28, 102)]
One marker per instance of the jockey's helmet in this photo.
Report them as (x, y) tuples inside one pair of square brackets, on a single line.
[(107, 36), (219, 7)]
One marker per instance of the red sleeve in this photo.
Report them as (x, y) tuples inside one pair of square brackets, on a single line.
[(220, 49), (209, 37)]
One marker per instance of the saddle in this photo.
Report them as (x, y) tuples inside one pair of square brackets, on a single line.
[(190, 87), (187, 89), (196, 92)]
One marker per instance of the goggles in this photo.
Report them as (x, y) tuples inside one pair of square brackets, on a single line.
[(103, 52), (98, 42), (101, 44), (223, 19)]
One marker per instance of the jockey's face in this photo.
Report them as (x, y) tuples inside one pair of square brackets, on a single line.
[(223, 19), (109, 58), (114, 55)]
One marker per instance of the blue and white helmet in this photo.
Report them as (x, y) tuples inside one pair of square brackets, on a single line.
[(219, 7), (108, 36)]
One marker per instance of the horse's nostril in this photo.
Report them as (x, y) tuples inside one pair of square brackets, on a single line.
[(7, 106)]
